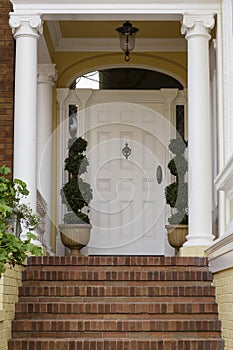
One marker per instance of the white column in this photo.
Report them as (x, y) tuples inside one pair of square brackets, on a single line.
[(46, 79), (196, 30), (26, 30)]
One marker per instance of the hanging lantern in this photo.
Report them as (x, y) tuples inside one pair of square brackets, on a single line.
[(127, 35)]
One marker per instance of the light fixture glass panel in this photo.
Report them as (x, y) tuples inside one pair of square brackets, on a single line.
[(127, 42)]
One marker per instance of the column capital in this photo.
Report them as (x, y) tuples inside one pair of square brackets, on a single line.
[(197, 25), (47, 74), (29, 26)]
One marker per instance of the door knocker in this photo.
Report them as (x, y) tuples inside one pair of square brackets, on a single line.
[(126, 151)]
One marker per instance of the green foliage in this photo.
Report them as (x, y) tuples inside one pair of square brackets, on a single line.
[(12, 249), (72, 218), (76, 193), (76, 164), (180, 217), (178, 145), (171, 193), (77, 146), (177, 193), (178, 166)]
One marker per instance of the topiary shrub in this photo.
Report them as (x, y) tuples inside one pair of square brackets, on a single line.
[(176, 194), (76, 193)]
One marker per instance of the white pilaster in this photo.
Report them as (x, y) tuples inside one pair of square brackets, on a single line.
[(26, 30), (46, 79), (62, 138), (196, 30)]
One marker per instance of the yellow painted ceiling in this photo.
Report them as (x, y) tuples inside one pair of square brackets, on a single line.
[(106, 29)]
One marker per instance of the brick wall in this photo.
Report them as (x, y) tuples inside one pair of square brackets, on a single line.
[(6, 85), (223, 282), (9, 283)]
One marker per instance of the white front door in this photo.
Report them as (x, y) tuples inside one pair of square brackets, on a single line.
[(128, 207)]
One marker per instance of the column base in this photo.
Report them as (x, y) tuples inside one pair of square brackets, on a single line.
[(192, 251)]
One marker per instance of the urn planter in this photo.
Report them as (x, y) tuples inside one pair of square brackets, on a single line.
[(177, 235), (75, 236)]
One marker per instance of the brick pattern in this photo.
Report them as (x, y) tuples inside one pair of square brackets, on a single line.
[(9, 283), (53, 309), (118, 344), (64, 290), (65, 261), (35, 327), (109, 303), (6, 85), (223, 282), (132, 274)]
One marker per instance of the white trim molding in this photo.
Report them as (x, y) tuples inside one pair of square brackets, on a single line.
[(220, 253), (74, 7), (224, 182)]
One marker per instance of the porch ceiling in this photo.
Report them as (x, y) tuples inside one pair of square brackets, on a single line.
[(99, 36), (106, 29)]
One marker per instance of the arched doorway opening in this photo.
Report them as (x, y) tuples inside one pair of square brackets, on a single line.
[(127, 79), (128, 211)]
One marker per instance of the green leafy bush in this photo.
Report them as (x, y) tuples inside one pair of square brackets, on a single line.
[(176, 194), (12, 215), (76, 193)]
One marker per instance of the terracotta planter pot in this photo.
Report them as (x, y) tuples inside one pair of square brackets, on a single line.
[(75, 236), (177, 235)]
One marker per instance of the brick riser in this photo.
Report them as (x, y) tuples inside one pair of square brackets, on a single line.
[(116, 303)]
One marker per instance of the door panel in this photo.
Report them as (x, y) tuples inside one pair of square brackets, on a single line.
[(128, 207)]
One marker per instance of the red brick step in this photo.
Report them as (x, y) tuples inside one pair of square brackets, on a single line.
[(65, 261), (117, 344), (116, 303), (115, 273), (115, 325), (25, 309)]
